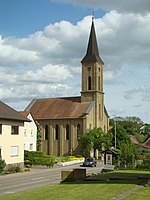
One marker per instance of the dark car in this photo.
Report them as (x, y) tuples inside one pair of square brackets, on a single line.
[(89, 162)]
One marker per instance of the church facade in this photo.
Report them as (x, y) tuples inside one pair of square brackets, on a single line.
[(63, 121)]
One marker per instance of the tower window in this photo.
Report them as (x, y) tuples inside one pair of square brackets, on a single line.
[(89, 83), (46, 132), (99, 82), (67, 132), (57, 132)]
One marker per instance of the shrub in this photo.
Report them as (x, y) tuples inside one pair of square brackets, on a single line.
[(2, 165), (27, 163), (48, 161), (14, 168), (38, 158)]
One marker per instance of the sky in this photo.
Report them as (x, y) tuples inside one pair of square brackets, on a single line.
[(43, 42)]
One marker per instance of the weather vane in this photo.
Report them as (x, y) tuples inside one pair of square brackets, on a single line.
[(93, 13)]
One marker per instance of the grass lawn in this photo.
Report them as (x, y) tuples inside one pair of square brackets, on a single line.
[(74, 191), (141, 194), (85, 190)]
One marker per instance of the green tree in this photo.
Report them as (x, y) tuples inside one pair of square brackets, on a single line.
[(94, 139), (39, 135), (129, 153)]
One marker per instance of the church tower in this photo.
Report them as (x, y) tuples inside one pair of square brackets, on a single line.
[(92, 79)]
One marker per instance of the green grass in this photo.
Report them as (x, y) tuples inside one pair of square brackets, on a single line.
[(141, 194), (74, 191), (86, 190)]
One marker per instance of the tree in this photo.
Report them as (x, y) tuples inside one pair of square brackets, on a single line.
[(94, 139), (39, 135), (129, 153)]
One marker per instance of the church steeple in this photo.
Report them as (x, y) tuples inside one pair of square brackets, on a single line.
[(92, 78), (92, 54)]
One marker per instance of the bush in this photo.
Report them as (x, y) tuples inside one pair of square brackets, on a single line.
[(27, 163), (145, 166), (38, 158), (2, 165), (48, 161), (14, 168)]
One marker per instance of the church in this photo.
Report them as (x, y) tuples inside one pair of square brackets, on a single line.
[(64, 120)]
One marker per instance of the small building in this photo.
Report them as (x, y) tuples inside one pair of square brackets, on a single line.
[(30, 132), (11, 135)]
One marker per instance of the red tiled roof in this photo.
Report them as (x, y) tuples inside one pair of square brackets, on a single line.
[(147, 141), (142, 145), (9, 113), (24, 113), (133, 140), (58, 108)]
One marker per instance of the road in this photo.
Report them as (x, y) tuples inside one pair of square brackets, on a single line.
[(37, 177)]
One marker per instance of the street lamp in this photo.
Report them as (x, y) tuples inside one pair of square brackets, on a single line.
[(115, 130)]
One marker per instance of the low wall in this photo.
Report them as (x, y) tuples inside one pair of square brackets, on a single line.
[(76, 174)]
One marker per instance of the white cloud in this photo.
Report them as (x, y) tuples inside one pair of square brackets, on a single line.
[(119, 5), (47, 63)]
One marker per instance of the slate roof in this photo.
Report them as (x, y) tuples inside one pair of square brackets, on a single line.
[(92, 54), (6, 112), (59, 108)]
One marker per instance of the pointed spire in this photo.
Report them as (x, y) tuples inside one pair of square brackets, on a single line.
[(92, 54)]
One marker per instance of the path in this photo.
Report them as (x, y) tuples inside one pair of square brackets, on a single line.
[(126, 193)]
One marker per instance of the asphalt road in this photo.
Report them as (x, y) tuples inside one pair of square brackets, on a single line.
[(37, 177)]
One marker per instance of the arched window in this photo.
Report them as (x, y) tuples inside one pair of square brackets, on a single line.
[(89, 83), (57, 132), (46, 132), (67, 132), (78, 132), (99, 83)]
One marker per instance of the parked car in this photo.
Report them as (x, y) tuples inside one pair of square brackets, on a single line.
[(89, 162)]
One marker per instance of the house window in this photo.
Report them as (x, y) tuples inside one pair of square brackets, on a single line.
[(46, 132), (56, 132), (31, 147), (25, 132), (31, 133), (89, 83), (0, 128), (67, 132), (14, 151), (78, 132), (15, 130)]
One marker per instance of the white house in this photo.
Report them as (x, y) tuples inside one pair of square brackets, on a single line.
[(30, 132), (11, 135)]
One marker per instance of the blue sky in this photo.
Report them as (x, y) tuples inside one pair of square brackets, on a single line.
[(20, 17), (43, 41)]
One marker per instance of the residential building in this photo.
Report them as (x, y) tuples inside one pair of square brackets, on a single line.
[(11, 135), (30, 132)]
